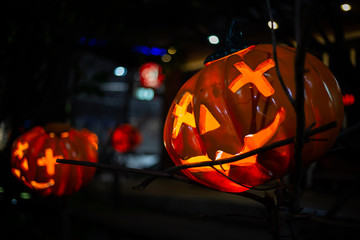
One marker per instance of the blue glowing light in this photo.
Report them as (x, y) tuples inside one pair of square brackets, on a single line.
[(142, 49), (120, 71), (144, 94), (82, 40), (155, 51), (92, 42)]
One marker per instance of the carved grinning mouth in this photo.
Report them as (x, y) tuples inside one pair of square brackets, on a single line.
[(36, 185), (40, 186), (251, 142)]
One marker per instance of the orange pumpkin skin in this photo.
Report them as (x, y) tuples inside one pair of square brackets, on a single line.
[(236, 104), (34, 157)]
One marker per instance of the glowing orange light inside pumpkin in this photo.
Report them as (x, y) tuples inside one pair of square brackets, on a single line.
[(21, 147), (49, 161), (251, 142), (256, 77), (40, 186), (182, 115), (64, 134), (207, 121), (25, 165)]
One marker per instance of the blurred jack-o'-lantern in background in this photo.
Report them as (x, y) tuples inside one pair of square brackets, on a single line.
[(236, 104), (125, 138), (34, 156)]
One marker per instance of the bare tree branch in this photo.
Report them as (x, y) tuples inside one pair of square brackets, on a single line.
[(167, 172), (301, 35), (113, 167), (273, 37)]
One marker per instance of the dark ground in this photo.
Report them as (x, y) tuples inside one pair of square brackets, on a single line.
[(168, 209)]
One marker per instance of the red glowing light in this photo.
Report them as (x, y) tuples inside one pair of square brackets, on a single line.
[(348, 99), (125, 138), (151, 76)]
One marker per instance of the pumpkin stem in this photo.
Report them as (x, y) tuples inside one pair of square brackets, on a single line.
[(234, 42), (235, 36), (57, 127)]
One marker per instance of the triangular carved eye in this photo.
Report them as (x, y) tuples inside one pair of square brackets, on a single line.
[(207, 121)]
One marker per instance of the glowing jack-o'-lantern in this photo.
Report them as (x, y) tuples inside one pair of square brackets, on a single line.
[(125, 138), (35, 152), (236, 104)]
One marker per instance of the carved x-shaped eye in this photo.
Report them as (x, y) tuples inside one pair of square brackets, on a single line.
[(255, 77), (207, 121)]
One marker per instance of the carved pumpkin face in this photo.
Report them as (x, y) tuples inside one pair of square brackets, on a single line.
[(236, 104), (34, 157)]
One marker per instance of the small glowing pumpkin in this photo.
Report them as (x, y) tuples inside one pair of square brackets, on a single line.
[(125, 138), (236, 104), (34, 157)]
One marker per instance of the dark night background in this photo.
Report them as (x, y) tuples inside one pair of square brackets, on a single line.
[(57, 61)]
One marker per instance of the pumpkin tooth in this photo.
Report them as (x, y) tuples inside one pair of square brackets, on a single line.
[(205, 158)]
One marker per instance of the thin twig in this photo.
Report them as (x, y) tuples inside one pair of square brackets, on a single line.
[(273, 38), (167, 173), (301, 35), (242, 156), (254, 197), (253, 152), (123, 169)]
